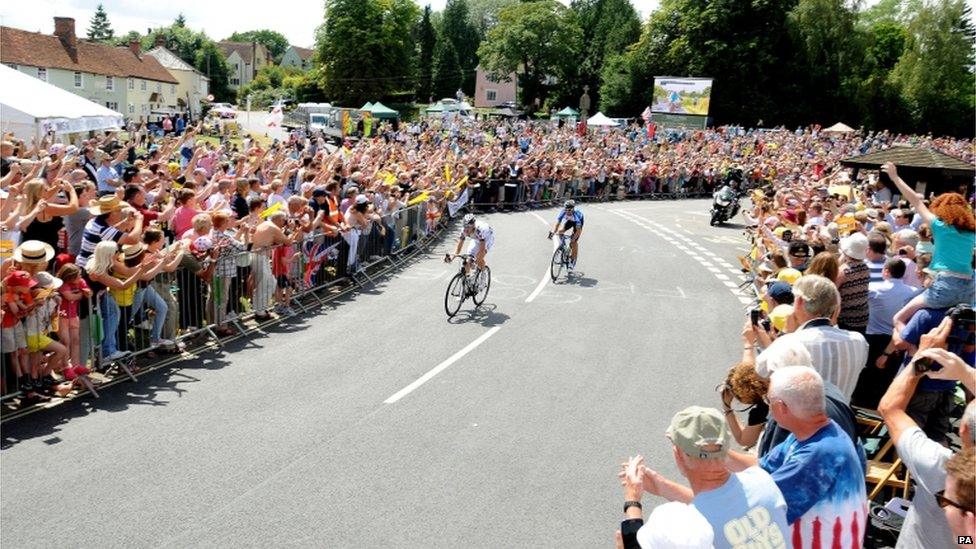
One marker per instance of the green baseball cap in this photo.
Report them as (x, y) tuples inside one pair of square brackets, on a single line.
[(700, 432)]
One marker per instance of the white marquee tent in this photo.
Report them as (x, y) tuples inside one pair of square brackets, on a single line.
[(600, 119), (30, 107), (840, 127)]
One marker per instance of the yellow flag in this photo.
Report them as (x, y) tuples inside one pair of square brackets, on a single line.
[(422, 197), (461, 182), (268, 212), (389, 179), (447, 173)]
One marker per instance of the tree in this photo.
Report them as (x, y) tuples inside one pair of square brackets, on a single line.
[(447, 71), (830, 52), (180, 21), (536, 40), (367, 49), (427, 39), (274, 41), (463, 36), (609, 27), (210, 61), (483, 14), (100, 30), (934, 74)]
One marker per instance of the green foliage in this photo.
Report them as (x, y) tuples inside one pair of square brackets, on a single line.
[(274, 41), (609, 28), (483, 14), (210, 61), (367, 48), (180, 21), (427, 40), (536, 40), (457, 29), (100, 30), (935, 75), (447, 71)]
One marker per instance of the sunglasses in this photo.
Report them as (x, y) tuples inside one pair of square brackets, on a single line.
[(946, 502)]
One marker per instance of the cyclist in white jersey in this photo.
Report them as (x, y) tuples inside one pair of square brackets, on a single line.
[(483, 238)]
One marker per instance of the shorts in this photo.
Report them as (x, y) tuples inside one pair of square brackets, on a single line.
[(283, 282), (487, 243), (13, 338), (38, 342), (569, 226), (948, 291)]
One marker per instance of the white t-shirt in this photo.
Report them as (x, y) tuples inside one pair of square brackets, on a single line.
[(675, 525), (925, 525)]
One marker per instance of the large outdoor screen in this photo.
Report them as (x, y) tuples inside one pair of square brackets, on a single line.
[(681, 95)]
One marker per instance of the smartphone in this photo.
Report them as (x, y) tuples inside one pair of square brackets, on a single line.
[(754, 316)]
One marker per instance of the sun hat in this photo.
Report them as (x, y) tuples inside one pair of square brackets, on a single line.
[(854, 246), (33, 251), (47, 280), (788, 275), (700, 432), (105, 204), (362, 199), (779, 315), (19, 279), (131, 251)]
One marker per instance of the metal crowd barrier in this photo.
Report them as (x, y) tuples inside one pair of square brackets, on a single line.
[(222, 289), (516, 194)]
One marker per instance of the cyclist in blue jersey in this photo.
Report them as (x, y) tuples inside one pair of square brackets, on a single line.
[(569, 219)]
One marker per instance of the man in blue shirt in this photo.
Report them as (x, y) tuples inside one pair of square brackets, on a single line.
[(932, 402), (569, 219)]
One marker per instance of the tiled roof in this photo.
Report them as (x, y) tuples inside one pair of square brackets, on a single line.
[(304, 53), (242, 48), (34, 49), (911, 157)]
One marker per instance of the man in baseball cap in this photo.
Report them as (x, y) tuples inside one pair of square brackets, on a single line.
[(743, 509)]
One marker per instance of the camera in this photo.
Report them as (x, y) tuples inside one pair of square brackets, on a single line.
[(926, 364), (754, 316)]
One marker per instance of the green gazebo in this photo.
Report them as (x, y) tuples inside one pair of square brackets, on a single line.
[(380, 110)]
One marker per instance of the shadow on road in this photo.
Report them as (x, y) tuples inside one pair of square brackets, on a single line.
[(484, 315), (578, 278)]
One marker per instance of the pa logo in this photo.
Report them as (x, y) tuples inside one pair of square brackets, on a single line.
[(964, 540)]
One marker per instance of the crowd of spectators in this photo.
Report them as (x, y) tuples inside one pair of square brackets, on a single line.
[(864, 316), (117, 237)]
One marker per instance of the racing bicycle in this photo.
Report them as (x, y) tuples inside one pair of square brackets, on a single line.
[(464, 285), (561, 257)]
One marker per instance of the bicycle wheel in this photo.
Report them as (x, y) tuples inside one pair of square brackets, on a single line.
[(485, 277), (454, 296), (557, 264)]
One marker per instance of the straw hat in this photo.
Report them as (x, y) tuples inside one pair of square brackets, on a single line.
[(105, 204), (131, 251), (33, 251)]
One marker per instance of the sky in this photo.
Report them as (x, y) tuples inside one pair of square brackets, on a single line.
[(296, 19)]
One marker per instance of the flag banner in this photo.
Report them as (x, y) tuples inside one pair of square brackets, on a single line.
[(453, 207), (315, 255)]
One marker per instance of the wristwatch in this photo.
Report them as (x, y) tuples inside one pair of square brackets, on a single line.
[(632, 503)]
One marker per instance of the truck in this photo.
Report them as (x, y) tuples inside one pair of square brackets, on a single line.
[(320, 118)]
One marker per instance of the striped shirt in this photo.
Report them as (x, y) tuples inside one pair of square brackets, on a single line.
[(96, 230), (854, 296), (838, 355), (875, 268)]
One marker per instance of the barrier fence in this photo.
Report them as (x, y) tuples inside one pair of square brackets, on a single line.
[(224, 290)]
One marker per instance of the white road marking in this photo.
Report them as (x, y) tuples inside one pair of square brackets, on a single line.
[(441, 367), (696, 213), (546, 276)]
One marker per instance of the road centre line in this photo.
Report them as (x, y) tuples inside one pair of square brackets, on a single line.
[(545, 277), (442, 366)]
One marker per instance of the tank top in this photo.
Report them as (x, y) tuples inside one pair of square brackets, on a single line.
[(45, 231)]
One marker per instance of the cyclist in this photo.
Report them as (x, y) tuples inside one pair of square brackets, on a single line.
[(483, 238), (569, 218)]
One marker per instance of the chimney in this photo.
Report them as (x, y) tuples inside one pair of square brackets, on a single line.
[(160, 41), (134, 47), (64, 29)]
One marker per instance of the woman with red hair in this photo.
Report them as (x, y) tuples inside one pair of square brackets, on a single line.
[(953, 230)]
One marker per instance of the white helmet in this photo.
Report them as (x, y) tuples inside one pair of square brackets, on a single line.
[(469, 219)]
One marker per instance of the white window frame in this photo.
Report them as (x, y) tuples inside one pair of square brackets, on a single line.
[(142, 85), (132, 108), (114, 105), (131, 83), (42, 73), (172, 88), (145, 108), (491, 95), (109, 83), (79, 79), (159, 87)]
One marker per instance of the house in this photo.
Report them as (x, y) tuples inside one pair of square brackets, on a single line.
[(244, 59), (123, 79), (488, 93), (193, 85), (300, 58)]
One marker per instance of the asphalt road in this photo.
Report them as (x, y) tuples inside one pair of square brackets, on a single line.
[(294, 439)]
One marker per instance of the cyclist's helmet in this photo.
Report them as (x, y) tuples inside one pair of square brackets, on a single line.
[(569, 204), (469, 219)]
